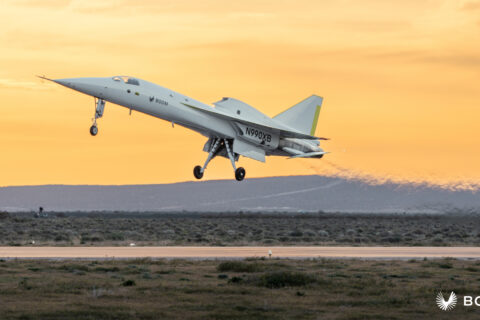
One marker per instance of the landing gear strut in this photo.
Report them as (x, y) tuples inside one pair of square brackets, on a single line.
[(198, 171), (240, 172), (217, 145), (99, 108)]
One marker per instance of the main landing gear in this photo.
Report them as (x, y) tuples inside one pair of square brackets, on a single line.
[(99, 108), (198, 172), (216, 146), (240, 174)]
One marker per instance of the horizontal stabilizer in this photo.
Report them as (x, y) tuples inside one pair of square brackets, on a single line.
[(310, 155), (297, 154)]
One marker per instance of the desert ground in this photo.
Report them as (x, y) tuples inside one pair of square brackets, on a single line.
[(238, 229), (251, 288), (247, 289)]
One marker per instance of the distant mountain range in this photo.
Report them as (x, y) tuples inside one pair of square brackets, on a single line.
[(277, 194)]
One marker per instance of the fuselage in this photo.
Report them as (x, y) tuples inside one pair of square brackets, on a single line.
[(152, 99)]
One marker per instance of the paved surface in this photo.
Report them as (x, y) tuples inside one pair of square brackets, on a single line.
[(240, 252)]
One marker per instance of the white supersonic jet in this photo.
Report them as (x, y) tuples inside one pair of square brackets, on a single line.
[(233, 128)]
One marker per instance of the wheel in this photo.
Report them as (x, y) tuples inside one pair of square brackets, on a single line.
[(197, 172), (240, 174), (93, 130)]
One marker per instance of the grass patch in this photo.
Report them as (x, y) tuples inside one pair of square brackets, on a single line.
[(279, 289), (227, 229), (239, 266), (128, 283), (284, 279)]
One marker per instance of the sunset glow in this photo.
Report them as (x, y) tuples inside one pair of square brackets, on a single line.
[(400, 81)]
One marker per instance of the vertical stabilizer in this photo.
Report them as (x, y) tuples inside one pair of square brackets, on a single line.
[(303, 116)]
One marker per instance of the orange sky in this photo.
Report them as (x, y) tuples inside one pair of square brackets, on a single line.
[(400, 81)]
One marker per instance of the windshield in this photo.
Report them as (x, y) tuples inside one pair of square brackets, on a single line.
[(127, 80)]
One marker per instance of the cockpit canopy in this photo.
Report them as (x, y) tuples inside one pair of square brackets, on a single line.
[(127, 80)]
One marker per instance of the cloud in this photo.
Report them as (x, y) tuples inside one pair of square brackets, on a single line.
[(109, 6), (456, 59), (462, 59), (154, 7), (375, 25), (472, 5), (6, 83), (40, 3)]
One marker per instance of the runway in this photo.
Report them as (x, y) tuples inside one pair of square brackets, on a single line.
[(237, 252)]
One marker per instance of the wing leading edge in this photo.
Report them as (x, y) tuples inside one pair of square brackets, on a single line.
[(271, 126)]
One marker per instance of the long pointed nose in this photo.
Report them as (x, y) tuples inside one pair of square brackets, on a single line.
[(72, 83), (91, 86)]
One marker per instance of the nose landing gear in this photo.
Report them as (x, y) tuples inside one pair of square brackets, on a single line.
[(93, 130), (99, 108)]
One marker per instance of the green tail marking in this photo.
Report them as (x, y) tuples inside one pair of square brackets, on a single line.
[(315, 121)]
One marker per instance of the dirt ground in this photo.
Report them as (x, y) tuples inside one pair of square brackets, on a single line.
[(239, 229), (247, 289)]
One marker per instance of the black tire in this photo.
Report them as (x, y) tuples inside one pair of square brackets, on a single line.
[(93, 130), (240, 174), (197, 172)]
